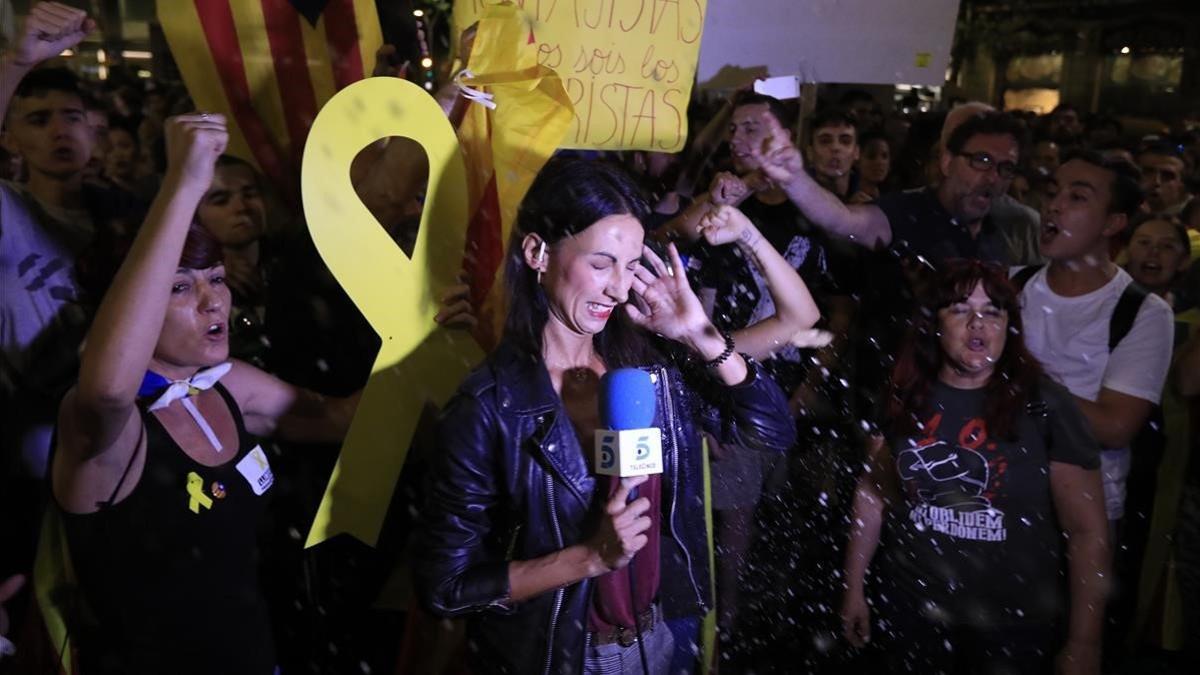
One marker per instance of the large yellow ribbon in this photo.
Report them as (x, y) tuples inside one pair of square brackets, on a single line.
[(418, 361)]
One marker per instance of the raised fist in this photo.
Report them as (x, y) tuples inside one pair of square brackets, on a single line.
[(50, 28), (194, 142), (728, 189), (724, 225)]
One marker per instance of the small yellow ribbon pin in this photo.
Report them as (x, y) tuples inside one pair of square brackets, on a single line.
[(195, 490)]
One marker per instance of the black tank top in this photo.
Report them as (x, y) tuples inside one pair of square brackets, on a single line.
[(169, 574)]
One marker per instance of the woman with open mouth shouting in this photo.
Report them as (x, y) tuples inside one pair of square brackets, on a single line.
[(157, 474), (987, 465)]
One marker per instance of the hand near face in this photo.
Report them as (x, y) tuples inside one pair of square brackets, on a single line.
[(50, 28), (778, 159), (728, 189), (669, 307), (194, 142)]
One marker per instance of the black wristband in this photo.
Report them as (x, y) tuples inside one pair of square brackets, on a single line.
[(724, 356)]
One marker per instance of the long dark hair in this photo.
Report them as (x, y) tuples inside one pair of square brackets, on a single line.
[(568, 196), (1016, 374)]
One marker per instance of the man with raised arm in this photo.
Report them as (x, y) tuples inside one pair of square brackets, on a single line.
[(930, 224)]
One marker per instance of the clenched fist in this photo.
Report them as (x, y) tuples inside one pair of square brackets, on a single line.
[(728, 189), (194, 142), (50, 28)]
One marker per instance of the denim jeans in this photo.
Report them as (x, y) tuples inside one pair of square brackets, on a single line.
[(613, 659)]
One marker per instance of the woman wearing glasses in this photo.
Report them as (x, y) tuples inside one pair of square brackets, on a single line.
[(987, 465)]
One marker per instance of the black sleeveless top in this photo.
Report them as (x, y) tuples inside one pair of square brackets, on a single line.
[(169, 574)]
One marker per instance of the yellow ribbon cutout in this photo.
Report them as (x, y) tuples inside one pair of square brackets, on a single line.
[(418, 361), (195, 490)]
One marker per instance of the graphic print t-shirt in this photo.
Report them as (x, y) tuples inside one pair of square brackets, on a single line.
[(976, 539)]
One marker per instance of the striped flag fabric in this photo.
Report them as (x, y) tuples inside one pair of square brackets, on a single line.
[(505, 148), (269, 66)]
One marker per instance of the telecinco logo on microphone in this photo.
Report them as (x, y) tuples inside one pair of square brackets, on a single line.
[(632, 452)]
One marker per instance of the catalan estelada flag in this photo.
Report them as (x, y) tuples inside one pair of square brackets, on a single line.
[(269, 66), (505, 147)]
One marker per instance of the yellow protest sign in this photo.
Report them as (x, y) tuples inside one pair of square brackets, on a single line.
[(418, 362), (627, 65)]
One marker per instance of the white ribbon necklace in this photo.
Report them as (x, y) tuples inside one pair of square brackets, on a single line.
[(183, 390)]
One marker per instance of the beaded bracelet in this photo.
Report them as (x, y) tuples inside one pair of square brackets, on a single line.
[(724, 356)]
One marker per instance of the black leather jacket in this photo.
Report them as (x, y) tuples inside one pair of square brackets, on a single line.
[(510, 481)]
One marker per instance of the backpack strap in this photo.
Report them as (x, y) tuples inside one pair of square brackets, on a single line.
[(1125, 313), (1024, 274)]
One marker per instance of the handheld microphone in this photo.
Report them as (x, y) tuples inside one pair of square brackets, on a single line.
[(628, 445)]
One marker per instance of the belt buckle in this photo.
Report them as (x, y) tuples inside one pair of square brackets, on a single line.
[(626, 637)]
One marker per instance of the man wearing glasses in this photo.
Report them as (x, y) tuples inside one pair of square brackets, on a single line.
[(1162, 179), (927, 225)]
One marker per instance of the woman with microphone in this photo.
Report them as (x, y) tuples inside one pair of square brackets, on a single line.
[(520, 535)]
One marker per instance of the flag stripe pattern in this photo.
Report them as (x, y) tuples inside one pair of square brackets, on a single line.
[(342, 33), (221, 39), (282, 24), (269, 70)]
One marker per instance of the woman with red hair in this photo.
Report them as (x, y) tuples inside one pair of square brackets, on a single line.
[(157, 474), (986, 466)]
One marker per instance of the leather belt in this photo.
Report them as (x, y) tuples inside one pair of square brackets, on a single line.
[(624, 636)]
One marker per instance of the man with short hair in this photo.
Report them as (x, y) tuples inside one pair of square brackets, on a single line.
[(1065, 126), (740, 291), (1070, 308), (832, 152), (929, 224), (1016, 221), (1162, 179), (46, 224)]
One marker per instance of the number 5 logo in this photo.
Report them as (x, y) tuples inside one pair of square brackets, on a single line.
[(608, 455), (643, 447)]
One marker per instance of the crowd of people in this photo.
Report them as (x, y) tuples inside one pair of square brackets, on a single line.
[(927, 385)]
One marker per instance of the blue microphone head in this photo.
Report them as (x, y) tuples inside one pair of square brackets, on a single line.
[(626, 399)]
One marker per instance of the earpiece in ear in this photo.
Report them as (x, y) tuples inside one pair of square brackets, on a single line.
[(541, 253)]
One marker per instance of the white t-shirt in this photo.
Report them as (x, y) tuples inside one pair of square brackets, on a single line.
[(1069, 336), (42, 314)]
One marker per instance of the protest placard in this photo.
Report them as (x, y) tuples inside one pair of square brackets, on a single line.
[(627, 65), (860, 41)]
